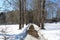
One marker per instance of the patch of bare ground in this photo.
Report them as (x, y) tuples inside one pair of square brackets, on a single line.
[(33, 32)]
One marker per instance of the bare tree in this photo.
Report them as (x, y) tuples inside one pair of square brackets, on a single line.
[(23, 13), (34, 13)]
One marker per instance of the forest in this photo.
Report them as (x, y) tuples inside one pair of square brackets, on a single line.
[(29, 11)]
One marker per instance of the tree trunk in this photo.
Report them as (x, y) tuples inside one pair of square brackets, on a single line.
[(43, 13)]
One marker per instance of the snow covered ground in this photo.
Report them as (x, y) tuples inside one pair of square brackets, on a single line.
[(51, 32), (12, 32)]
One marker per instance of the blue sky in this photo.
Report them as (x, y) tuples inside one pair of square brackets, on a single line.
[(1, 2), (2, 5), (6, 6), (53, 0)]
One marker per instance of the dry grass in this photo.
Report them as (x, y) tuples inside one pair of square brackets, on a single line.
[(33, 32)]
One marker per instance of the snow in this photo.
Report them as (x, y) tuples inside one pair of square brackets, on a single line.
[(35, 26), (51, 32), (52, 26), (51, 35), (12, 29), (29, 37), (12, 32)]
